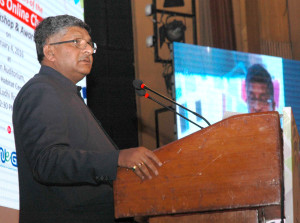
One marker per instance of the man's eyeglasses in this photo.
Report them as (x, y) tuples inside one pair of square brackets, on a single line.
[(79, 43), (260, 101)]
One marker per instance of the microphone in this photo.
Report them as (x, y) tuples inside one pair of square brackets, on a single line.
[(142, 92), (138, 85)]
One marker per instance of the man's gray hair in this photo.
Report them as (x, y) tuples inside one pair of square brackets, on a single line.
[(53, 25)]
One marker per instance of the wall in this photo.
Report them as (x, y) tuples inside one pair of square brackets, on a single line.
[(268, 27), (264, 27), (151, 73)]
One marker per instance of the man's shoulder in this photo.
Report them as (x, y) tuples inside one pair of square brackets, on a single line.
[(36, 82), (39, 84)]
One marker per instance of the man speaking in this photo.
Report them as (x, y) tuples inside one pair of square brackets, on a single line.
[(66, 161)]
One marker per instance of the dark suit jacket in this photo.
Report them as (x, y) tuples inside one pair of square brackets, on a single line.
[(66, 162)]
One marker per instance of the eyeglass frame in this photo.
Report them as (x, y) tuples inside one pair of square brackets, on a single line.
[(94, 47), (260, 101)]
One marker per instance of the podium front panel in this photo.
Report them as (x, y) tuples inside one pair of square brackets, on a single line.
[(235, 163)]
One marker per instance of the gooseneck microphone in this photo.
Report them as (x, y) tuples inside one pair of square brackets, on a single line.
[(138, 85), (142, 92)]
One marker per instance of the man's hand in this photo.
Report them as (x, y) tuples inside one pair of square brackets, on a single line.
[(140, 160)]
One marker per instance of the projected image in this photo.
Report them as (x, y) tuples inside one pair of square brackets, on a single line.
[(215, 83), (18, 63)]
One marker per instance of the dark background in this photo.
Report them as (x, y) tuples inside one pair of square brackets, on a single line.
[(110, 94)]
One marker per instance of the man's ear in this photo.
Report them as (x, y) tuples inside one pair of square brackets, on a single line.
[(49, 52)]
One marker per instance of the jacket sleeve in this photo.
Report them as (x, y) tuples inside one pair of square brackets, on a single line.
[(43, 130)]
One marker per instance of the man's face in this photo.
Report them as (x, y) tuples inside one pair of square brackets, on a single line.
[(69, 60), (258, 98)]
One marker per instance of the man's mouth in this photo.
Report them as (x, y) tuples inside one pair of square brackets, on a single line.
[(85, 59)]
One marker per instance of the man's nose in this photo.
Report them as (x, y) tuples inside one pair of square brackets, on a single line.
[(257, 107), (88, 49)]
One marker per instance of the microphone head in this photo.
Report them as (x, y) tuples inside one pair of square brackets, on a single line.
[(137, 84), (140, 92)]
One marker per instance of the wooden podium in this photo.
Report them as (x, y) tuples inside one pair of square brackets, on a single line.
[(228, 170)]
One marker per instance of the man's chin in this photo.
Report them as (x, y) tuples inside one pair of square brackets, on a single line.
[(85, 68), (85, 72), (84, 75)]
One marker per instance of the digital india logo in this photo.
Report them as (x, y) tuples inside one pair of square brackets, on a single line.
[(7, 157), (79, 1)]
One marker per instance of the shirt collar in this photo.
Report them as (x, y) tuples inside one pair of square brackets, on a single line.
[(49, 71)]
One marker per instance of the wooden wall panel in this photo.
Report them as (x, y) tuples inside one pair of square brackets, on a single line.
[(151, 73), (273, 20), (240, 26), (268, 27), (294, 27), (274, 28)]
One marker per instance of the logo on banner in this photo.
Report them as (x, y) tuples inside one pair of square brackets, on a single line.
[(8, 157), (81, 3), (8, 129)]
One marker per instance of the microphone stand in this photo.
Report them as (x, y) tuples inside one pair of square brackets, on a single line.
[(142, 92), (138, 84)]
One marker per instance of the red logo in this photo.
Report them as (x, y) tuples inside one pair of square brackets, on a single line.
[(8, 129)]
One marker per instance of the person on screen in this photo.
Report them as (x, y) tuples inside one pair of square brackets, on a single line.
[(259, 90), (66, 161)]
